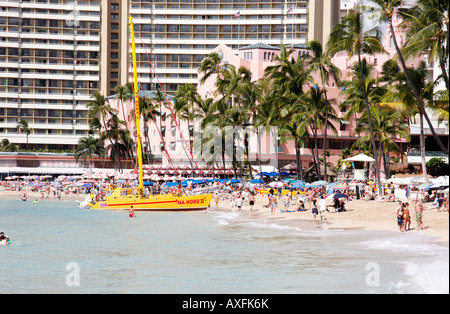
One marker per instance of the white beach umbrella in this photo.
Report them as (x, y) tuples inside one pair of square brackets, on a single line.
[(277, 184)]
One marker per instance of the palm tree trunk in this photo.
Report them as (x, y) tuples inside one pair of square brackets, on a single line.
[(325, 177), (413, 88), (422, 151), (372, 135), (247, 148), (316, 149), (299, 161), (259, 153)]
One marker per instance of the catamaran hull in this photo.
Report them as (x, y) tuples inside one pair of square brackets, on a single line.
[(183, 203)]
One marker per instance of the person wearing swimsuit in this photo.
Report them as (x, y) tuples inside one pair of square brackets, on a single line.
[(406, 217), (400, 214)]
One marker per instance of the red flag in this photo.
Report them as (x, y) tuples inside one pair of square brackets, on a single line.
[(238, 14)]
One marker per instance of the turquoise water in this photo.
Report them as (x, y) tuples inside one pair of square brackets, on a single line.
[(197, 253)]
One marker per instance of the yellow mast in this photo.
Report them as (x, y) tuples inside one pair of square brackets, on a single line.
[(136, 101)]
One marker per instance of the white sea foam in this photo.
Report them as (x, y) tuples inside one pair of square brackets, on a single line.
[(431, 277), (425, 265)]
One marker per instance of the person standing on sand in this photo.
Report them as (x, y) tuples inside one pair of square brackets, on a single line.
[(286, 201), (418, 207), (400, 215), (315, 212), (273, 203), (216, 199), (407, 217), (322, 208), (239, 202)]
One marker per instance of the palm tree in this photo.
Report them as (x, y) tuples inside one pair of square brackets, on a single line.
[(250, 95), (210, 65), (317, 114), (428, 23), (292, 130), (349, 35), (148, 112), (122, 95), (402, 92), (287, 78), (216, 117), (88, 147), (289, 71), (353, 94), (229, 82), (185, 101), (6, 146), (321, 63), (114, 135), (23, 127), (99, 111), (425, 36), (387, 124)]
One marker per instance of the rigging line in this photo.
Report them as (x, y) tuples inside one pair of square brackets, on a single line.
[(168, 104), (159, 132)]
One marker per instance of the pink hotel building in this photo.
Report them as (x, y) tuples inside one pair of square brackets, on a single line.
[(257, 58)]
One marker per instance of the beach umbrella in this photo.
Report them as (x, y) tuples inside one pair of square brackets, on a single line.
[(273, 174), (257, 181), (298, 185), (233, 181), (336, 195), (277, 184), (319, 183), (339, 186), (148, 183)]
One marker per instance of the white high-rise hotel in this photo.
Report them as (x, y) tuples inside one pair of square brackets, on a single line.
[(54, 54), (49, 67)]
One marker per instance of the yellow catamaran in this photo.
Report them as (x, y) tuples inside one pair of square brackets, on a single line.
[(125, 198)]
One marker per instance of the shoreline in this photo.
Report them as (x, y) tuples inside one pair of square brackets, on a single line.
[(360, 215)]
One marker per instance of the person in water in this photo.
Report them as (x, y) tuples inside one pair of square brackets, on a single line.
[(4, 240), (131, 212)]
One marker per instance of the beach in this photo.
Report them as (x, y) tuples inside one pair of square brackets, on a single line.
[(359, 214)]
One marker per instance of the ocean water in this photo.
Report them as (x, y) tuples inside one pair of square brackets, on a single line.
[(61, 248)]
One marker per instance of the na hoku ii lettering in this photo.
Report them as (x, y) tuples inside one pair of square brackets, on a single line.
[(230, 304)]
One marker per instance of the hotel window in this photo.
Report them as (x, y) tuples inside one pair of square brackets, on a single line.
[(173, 146), (343, 125)]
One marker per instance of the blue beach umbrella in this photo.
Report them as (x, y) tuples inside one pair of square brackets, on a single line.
[(298, 185), (233, 181), (257, 181)]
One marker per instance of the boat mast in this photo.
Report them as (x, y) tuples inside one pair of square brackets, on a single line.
[(136, 102)]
